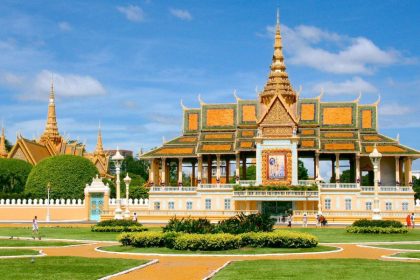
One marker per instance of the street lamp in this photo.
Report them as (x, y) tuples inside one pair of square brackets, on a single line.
[(48, 202), (375, 157), (118, 159), (127, 181)]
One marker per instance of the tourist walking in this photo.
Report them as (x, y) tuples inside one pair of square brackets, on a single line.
[(135, 217), (318, 223), (289, 220), (412, 220), (305, 220), (35, 229)]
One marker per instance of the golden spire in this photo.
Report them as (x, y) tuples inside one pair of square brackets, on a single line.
[(99, 146), (3, 151), (278, 80), (51, 128)]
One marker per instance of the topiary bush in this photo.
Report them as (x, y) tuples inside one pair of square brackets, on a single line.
[(207, 242), (377, 223), (67, 175), (13, 176), (279, 239), (147, 239), (118, 226), (376, 230)]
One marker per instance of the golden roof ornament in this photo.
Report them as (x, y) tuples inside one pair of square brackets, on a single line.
[(99, 145), (3, 151), (51, 128), (278, 80)]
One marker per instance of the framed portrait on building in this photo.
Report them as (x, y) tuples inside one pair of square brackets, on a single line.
[(276, 163)]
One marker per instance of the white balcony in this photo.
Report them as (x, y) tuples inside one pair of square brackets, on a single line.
[(276, 195), (172, 189)]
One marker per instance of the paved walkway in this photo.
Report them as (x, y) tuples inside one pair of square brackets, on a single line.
[(198, 267)]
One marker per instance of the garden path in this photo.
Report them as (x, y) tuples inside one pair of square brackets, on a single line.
[(198, 267)]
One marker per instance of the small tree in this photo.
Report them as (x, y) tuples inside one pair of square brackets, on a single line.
[(13, 175), (302, 171)]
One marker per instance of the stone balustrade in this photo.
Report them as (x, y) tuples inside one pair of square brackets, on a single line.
[(134, 202), (32, 202)]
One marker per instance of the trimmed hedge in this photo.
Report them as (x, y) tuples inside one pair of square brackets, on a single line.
[(113, 222), (207, 242), (68, 176), (219, 241), (137, 228), (279, 239), (376, 230), (377, 223), (189, 225)]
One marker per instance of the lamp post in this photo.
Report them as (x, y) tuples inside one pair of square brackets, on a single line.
[(375, 157), (127, 181), (47, 219), (118, 159)]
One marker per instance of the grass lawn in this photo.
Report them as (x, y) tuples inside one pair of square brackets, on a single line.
[(241, 251), (339, 235), (342, 269), (401, 246), (63, 268), (17, 252), (415, 255), (32, 243)]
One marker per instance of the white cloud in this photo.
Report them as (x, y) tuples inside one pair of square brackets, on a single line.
[(332, 52), (65, 85), (181, 14), (132, 13), (64, 26), (394, 109), (352, 86)]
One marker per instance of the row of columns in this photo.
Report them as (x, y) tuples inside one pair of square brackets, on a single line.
[(401, 166), (164, 173)]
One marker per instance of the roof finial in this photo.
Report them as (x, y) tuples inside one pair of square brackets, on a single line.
[(321, 94), (235, 95), (183, 106), (3, 151), (99, 144), (52, 97), (359, 97), (398, 138), (278, 16), (200, 100), (378, 100)]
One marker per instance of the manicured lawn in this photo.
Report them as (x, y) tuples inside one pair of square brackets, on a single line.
[(342, 269), (241, 251), (415, 255), (17, 252), (339, 235), (63, 268), (401, 246), (33, 243)]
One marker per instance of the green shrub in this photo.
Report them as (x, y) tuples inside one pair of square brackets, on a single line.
[(279, 239), (377, 223), (13, 176), (148, 239), (246, 223), (67, 175), (376, 230), (135, 228), (189, 225), (207, 242), (114, 222)]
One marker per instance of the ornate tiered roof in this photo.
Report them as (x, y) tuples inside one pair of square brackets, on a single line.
[(322, 127)]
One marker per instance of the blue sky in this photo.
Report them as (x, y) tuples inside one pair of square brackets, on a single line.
[(128, 63)]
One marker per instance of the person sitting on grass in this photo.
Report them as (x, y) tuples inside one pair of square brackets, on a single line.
[(35, 229)]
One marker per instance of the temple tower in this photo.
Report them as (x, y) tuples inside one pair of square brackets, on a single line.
[(276, 141), (3, 151)]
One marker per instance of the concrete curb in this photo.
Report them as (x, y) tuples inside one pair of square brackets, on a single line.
[(41, 254), (214, 272)]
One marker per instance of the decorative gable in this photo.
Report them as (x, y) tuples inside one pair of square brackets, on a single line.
[(19, 154)]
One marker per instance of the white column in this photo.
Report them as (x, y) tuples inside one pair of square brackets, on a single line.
[(397, 171), (237, 170), (337, 168), (358, 170), (179, 171), (407, 171), (151, 172), (200, 169), (316, 166), (163, 176), (218, 169)]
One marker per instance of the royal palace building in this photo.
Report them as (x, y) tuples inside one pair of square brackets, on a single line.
[(220, 142)]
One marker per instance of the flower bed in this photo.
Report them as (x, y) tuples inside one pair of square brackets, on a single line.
[(219, 241), (376, 230)]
